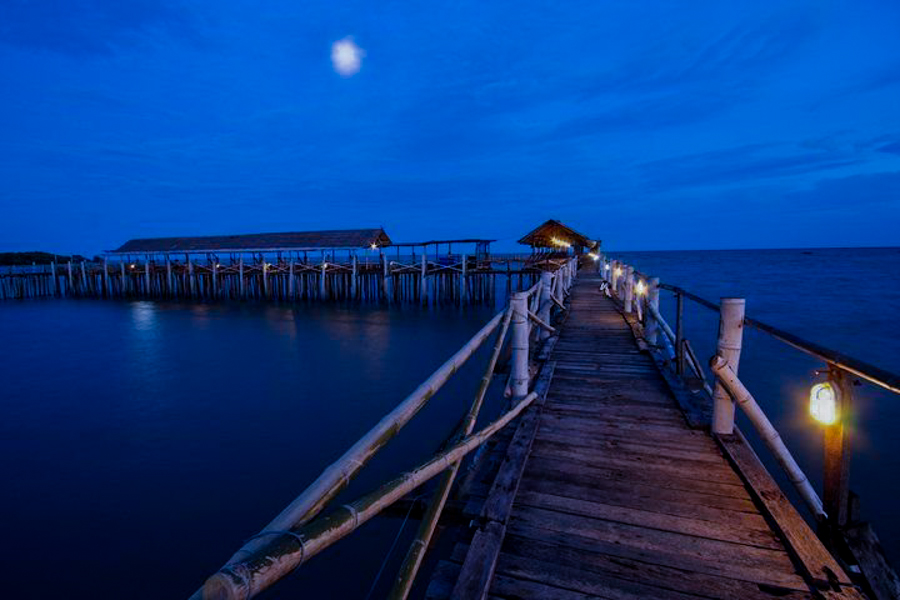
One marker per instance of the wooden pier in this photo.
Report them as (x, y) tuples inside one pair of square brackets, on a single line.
[(610, 493), (616, 471)]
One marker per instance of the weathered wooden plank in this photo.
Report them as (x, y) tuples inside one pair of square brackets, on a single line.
[(616, 567), (815, 560), (688, 546), (589, 475), (666, 502), (657, 463), (778, 575), (723, 531), (612, 442)]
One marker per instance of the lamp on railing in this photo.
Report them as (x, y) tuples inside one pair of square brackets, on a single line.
[(640, 289), (823, 403)]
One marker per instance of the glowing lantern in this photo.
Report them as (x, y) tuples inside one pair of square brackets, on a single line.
[(823, 403)]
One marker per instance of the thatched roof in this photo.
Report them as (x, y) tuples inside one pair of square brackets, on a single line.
[(258, 242), (544, 236)]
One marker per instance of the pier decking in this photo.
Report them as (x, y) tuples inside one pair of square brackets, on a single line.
[(618, 497)]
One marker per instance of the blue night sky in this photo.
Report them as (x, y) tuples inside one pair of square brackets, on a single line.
[(651, 125)]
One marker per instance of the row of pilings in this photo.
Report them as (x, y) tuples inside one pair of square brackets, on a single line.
[(460, 281)]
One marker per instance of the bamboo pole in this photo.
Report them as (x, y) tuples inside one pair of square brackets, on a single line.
[(336, 476), (731, 330), (241, 275), (407, 574), (169, 282), (629, 288), (423, 285), (519, 375), (728, 380), (463, 287), (284, 550), (654, 318), (147, 290), (546, 302), (546, 327)]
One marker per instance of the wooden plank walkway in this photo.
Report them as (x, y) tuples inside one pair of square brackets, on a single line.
[(619, 498)]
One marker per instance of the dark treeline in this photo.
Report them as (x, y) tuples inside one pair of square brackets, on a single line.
[(8, 259)]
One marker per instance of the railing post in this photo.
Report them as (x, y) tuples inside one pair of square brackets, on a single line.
[(679, 333), (731, 331), (651, 330), (836, 482), (545, 303), (629, 289), (519, 346), (614, 278)]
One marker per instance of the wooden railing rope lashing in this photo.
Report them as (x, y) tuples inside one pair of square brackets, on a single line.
[(298, 533)]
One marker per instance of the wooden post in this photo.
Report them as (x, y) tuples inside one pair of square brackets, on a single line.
[(835, 483), (679, 333), (353, 276), (147, 290), (190, 269), (169, 285), (265, 278), (106, 277), (124, 280), (463, 291), (731, 331), (241, 275), (322, 287), (519, 345), (84, 286), (53, 278), (546, 302), (423, 285), (629, 289), (291, 279), (215, 278), (385, 273), (651, 330), (615, 278)]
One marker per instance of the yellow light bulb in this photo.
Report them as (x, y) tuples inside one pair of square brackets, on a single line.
[(823, 403)]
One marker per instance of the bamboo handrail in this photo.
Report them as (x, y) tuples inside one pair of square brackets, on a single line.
[(283, 551), (335, 477), (410, 567), (768, 433), (880, 377), (540, 322), (297, 519)]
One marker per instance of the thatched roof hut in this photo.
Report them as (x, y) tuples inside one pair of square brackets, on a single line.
[(554, 235)]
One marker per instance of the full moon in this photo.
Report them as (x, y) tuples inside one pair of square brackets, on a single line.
[(346, 57)]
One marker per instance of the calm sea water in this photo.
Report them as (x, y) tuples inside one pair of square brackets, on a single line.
[(143, 442)]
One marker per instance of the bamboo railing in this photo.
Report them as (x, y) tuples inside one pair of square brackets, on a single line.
[(299, 532), (639, 294)]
